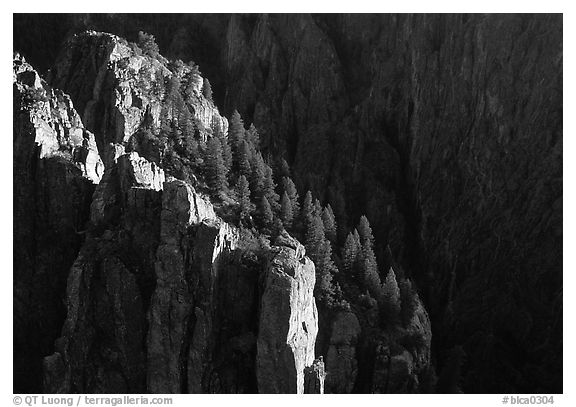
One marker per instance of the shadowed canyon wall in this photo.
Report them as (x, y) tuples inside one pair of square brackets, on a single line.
[(445, 130)]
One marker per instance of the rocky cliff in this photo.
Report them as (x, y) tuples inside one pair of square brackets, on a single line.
[(446, 130), (285, 340), (160, 294), (56, 166)]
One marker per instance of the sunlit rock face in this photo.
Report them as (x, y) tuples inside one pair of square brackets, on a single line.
[(288, 322), (56, 166), (118, 88)]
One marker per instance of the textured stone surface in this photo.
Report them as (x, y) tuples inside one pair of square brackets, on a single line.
[(101, 347), (445, 129), (187, 266), (102, 344), (139, 172), (288, 323), (57, 128), (118, 89), (55, 164)]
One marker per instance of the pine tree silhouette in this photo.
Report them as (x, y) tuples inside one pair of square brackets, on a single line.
[(329, 223), (286, 214), (207, 90), (265, 214), (244, 159), (365, 232), (314, 237), (215, 169), (235, 138), (290, 189), (350, 253), (246, 207), (257, 177), (390, 297), (253, 137), (307, 213), (226, 152), (269, 189)]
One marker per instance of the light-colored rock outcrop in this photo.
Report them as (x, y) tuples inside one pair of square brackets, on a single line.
[(112, 79), (136, 171), (55, 168), (186, 269), (58, 129), (288, 321)]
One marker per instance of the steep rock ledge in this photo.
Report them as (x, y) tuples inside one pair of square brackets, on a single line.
[(54, 156), (160, 296), (183, 302), (288, 321), (101, 348), (118, 89)]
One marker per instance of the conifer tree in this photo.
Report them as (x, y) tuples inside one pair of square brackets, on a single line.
[(314, 237), (365, 232), (266, 216), (257, 176), (192, 149), (235, 137), (244, 159), (329, 223), (253, 137), (350, 254), (336, 199), (367, 259), (207, 90), (290, 189), (147, 43), (216, 127), (226, 152), (390, 296), (286, 214), (324, 257), (317, 208), (408, 300), (215, 168), (246, 207), (370, 274), (325, 270), (307, 213), (283, 168), (173, 92), (269, 189), (357, 237)]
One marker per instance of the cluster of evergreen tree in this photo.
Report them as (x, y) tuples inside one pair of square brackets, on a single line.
[(245, 190), (231, 169), (229, 166), (354, 273), (348, 272)]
